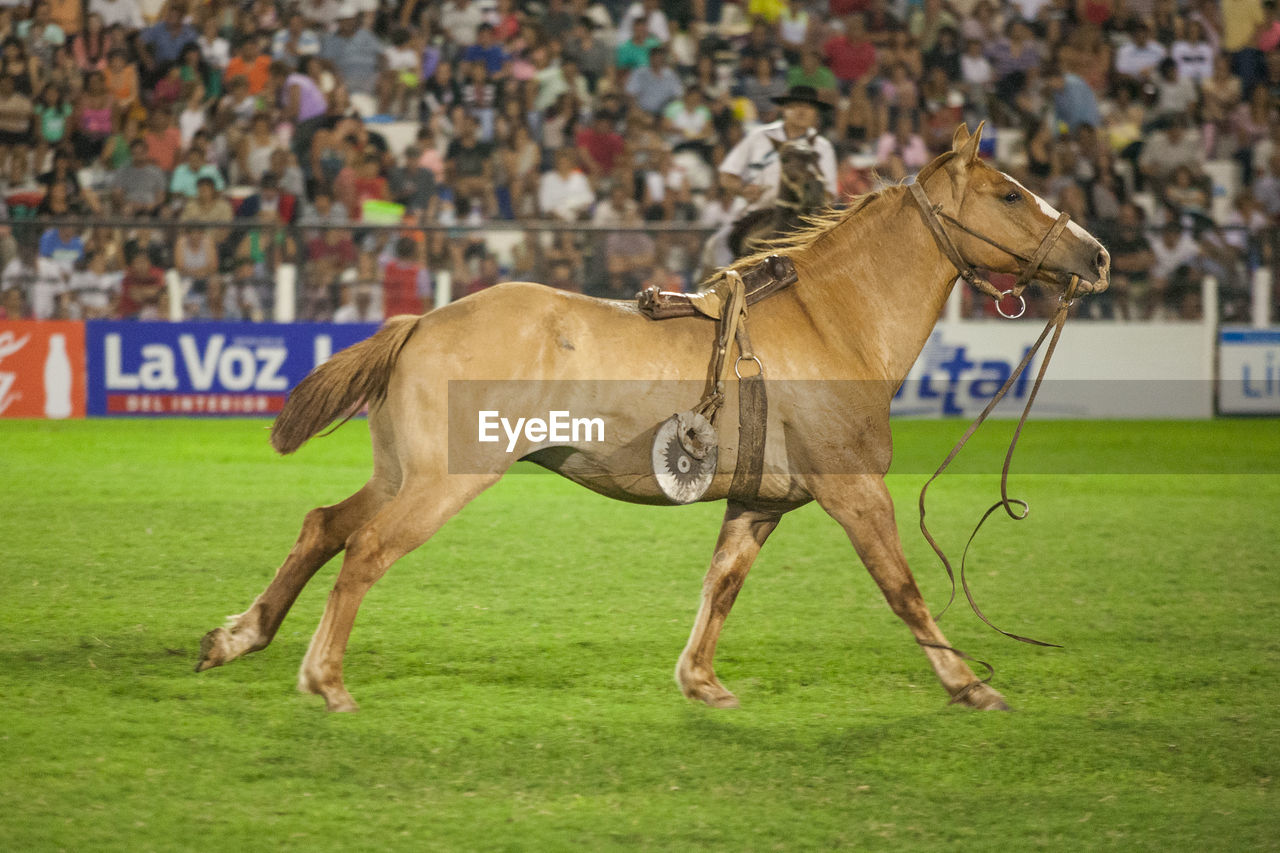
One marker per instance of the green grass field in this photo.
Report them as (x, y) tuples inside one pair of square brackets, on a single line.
[(515, 677)]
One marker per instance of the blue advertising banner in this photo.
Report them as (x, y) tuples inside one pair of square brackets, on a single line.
[(205, 368)]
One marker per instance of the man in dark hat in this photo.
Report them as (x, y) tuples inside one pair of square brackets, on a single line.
[(750, 171)]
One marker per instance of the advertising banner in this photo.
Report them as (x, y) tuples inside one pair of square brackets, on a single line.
[(205, 368), (1100, 370), (1249, 371), (42, 369)]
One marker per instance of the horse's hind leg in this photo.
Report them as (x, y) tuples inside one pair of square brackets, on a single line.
[(863, 507), (741, 536), (324, 531), (407, 521)]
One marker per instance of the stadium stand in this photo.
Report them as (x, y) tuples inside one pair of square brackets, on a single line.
[(371, 144)]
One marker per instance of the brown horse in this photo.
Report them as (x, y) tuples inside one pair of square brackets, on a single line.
[(872, 282)]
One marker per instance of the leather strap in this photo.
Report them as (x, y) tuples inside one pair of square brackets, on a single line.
[(1054, 326), (933, 217), (761, 281), (931, 212), (753, 403), (734, 308), (753, 417)]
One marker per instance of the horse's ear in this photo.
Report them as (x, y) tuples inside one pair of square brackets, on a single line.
[(965, 145)]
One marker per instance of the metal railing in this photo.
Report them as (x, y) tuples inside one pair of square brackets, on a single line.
[(301, 271)]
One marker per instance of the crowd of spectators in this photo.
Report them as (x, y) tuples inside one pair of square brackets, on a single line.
[(222, 139)]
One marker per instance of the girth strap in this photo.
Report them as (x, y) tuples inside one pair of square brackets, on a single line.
[(753, 403)]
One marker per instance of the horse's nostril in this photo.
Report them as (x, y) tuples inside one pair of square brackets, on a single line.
[(1101, 261)]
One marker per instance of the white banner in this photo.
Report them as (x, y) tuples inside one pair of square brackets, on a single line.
[(1100, 370), (1249, 371)]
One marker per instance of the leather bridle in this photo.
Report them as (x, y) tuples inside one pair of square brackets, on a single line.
[(934, 218)]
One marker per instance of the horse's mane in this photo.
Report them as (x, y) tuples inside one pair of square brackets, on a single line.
[(816, 226)]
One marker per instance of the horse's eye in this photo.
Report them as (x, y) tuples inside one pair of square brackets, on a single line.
[(1013, 196)]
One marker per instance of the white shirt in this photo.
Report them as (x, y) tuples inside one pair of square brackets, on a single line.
[(350, 313), (1177, 97), (659, 27), (1195, 59), (976, 69), (127, 13), (1030, 8), (308, 43), (216, 52), (95, 290), (756, 162), (793, 26), (42, 284), (461, 22), (1168, 259), (323, 12), (564, 197), (1133, 59), (715, 214)]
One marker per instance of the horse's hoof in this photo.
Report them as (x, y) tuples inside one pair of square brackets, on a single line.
[(981, 697), (723, 699), (336, 697), (213, 649), (711, 693), (343, 704)]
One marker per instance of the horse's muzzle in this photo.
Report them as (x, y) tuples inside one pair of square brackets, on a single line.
[(1101, 274), (1094, 272)]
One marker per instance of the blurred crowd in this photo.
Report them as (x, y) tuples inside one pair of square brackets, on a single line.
[(219, 140)]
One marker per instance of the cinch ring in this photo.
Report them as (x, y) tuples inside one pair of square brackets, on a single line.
[(1022, 303), (743, 358)]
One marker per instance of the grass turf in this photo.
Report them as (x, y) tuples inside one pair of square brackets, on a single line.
[(515, 673)]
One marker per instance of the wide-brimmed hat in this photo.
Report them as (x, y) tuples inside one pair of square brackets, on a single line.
[(802, 95)]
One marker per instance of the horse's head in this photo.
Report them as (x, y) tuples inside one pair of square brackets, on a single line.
[(998, 224), (801, 184)]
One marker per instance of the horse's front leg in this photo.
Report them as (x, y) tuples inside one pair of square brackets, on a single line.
[(863, 507), (741, 536)]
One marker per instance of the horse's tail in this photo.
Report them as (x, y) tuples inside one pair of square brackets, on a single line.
[(355, 376)]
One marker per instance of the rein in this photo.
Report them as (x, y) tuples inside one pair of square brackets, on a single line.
[(1015, 508), (1055, 325)]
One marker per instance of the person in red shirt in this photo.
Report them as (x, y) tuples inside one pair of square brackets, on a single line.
[(369, 183), (163, 140), (251, 62), (600, 144), (850, 55), (406, 283), (141, 287), (840, 8), (330, 254)]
